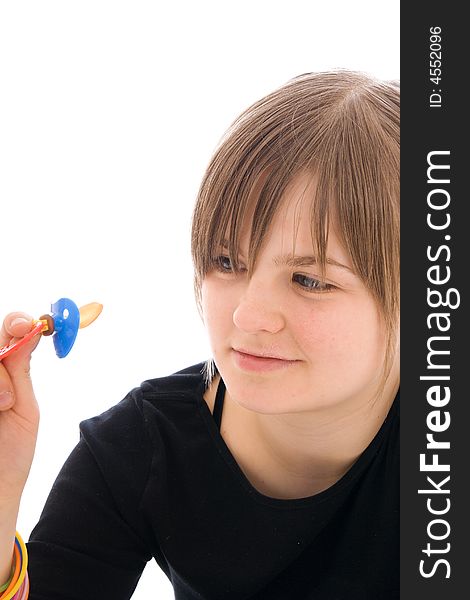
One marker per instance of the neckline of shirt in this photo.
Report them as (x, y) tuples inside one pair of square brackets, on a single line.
[(347, 480)]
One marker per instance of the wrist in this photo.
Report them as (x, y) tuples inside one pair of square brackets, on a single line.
[(4, 587), (17, 587), (8, 519), (7, 546)]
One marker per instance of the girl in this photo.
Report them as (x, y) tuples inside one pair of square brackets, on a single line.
[(272, 470)]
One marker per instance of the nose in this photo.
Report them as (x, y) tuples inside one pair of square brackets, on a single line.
[(259, 309)]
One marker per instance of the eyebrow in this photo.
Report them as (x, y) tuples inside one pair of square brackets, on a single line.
[(301, 261), (306, 261)]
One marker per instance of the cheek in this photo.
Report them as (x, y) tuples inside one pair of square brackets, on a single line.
[(217, 307), (365, 342), (320, 336), (344, 332)]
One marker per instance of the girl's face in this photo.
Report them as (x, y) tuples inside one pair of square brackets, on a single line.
[(283, 341)]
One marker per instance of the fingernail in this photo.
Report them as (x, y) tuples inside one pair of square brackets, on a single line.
[(5, 399), (19, 321)]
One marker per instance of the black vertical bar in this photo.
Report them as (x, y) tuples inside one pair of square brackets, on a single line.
[(435, 532)]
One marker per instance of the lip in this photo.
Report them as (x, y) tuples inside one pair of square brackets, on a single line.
[(249, 361)]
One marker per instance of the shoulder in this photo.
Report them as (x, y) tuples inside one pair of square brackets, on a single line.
[(124, 422), (150, 420), (187, 382)]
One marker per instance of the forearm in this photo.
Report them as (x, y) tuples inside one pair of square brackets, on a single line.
[(8, 519)]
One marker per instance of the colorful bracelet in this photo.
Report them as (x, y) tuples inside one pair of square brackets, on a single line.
[(18, 586), (5, 585)]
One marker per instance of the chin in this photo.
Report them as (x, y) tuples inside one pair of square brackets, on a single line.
[(268, 397)]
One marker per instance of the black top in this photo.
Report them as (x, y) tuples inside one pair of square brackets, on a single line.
[(153, 477)]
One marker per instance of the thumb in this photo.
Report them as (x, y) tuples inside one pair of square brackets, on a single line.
[(16, 386), (15, 381), (6, 399)]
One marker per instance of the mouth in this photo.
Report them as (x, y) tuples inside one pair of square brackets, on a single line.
[(248, 360)]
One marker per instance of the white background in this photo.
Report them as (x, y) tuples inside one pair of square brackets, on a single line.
[(109, 113)]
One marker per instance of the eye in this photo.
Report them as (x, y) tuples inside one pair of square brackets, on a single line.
[(310, 284), (223, 264)]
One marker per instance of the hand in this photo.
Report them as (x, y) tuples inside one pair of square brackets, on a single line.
[(19, 412)]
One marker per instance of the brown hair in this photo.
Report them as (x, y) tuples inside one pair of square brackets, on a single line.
[(342, 127)]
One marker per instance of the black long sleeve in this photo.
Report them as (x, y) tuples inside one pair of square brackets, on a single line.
[(90, 542)]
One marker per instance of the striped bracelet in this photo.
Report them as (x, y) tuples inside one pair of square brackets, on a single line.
[(18, 586)]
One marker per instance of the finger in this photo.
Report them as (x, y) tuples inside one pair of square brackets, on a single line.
[(6, 390), (16, 324), (15, 381), (22, 403), (20, 333)]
